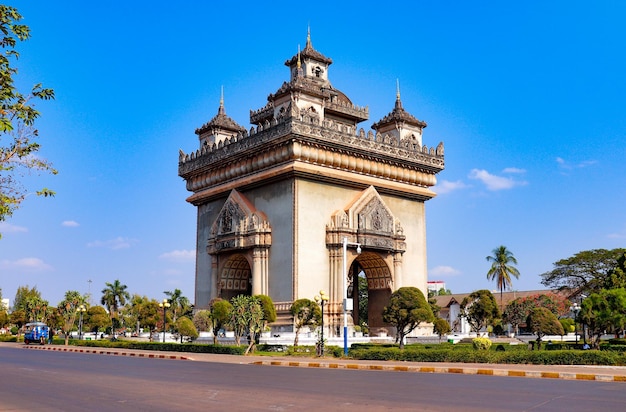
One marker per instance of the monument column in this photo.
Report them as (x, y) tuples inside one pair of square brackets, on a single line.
[(397, 271), (257, 272)]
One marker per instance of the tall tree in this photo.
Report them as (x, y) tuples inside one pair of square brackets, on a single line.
[(480, 309), (202, 320), (220, 310), (185, 327), (68, 310), (604, 311), (305, 313), (586, 272), (502, 261), (406, 310), (114, 295), (30, 301), (96, 319), (542, 322), (269, 311), (518, 310), (150, 316), (18, 148), (246, 318), (179, 303)]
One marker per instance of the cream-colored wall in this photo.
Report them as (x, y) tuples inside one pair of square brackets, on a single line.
[(205, 286), (299, 264), (411, 214), (276, 201), (316, 203)]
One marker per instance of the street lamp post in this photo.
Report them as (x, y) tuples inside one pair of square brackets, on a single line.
[(321, 299), (165, 304), (345, 290), (81, 309), (575, 308)]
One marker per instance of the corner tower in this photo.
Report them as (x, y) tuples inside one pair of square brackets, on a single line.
[(276, 202)]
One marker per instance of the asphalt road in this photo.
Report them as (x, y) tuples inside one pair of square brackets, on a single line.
[(32, 380)]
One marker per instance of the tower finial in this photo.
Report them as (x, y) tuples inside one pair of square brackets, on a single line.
[(308, 36), (398, 101), (299, 62), (221, 109)]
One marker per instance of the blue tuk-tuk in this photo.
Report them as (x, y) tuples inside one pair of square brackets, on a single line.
[(36, 332)]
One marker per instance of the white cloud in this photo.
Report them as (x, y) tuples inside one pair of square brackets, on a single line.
[(70, 223), (563, 164), (447, 186), (494, 182), (29, 264), (443, 271), (179, 256), (114, 244), (616, 236), (9, 228), (514, 170)]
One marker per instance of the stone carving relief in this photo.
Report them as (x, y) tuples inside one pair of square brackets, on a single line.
[(238, 225), (369, 221)]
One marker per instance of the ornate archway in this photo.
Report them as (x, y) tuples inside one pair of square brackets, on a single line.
[(235, 277), (379, 284), (368, 221), (239, 245)]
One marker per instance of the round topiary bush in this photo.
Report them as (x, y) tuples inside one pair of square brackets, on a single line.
[(481, 343)]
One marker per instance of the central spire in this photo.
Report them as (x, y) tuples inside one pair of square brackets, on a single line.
[(398, 101), (308, 38)]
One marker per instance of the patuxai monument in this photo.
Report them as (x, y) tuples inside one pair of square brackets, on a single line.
[(305, 200)]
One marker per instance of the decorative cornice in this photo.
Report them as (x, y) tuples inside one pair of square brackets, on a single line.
[(328, 145)]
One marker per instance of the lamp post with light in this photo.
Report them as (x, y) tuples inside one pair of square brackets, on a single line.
[(165, 304), (321, 299), (81, 309), (345, 290)]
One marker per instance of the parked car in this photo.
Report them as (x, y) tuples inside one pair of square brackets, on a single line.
[(36, 332)]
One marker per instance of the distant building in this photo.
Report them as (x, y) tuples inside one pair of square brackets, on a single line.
[(451, 306), (434, 286), (276, 203)]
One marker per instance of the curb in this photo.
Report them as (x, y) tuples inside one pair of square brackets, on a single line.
[(109, 352), (369, 367), (457, 370)]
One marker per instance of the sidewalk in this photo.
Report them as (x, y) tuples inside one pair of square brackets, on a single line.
[(571, 372)]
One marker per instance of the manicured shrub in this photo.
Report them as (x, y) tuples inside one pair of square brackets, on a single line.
[(481, 343)]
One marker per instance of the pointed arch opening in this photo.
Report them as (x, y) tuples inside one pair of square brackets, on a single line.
[(235, 277), (370, 285)]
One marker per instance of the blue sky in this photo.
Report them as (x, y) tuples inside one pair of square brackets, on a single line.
[(528, 99)]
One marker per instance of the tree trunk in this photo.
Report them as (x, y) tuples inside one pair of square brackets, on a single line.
[(401, 338), (295, 341)]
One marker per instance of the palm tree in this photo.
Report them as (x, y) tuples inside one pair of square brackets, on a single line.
[(502, 261), (114, 296), (179, 303)]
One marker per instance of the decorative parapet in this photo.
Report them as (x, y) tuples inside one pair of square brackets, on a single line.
[(263, 113), (325, 143), (361, 113)]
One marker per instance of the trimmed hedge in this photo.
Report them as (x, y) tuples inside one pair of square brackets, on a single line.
[(166, 347), (552, 357)]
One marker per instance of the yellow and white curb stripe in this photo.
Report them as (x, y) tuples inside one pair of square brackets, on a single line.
[(457, 370), (108, 352)]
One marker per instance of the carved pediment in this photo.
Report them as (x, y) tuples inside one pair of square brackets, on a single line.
[(239, 225), (371, 220)]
